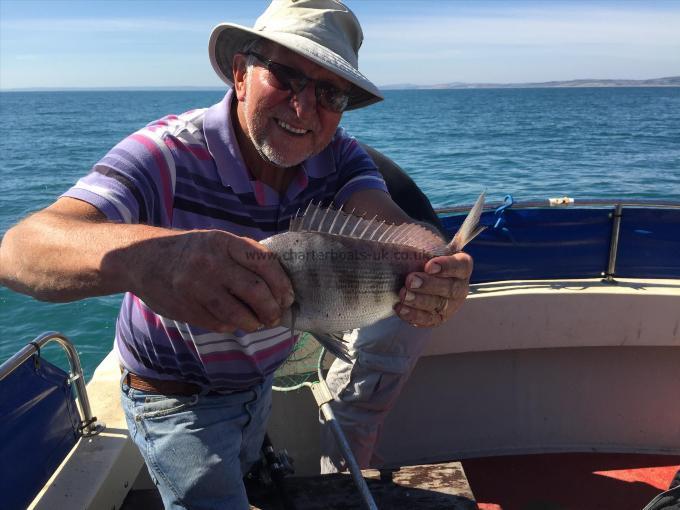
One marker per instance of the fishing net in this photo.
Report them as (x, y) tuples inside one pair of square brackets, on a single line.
[(305, 367), (302, 368)]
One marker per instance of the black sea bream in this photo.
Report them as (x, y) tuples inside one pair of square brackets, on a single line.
[(347, 271)]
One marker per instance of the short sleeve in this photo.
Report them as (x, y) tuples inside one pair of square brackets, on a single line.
[(134, 181)]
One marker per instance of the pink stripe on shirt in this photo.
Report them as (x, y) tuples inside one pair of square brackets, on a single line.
[(199, 152), (164, 171), (242, 356), (259, 193)]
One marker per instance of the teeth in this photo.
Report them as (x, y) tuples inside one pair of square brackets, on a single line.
[(290, 128)]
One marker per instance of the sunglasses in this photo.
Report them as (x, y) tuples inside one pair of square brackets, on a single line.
[(286, 78)]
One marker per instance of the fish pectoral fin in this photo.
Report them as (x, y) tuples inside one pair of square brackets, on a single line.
[(335, 344)]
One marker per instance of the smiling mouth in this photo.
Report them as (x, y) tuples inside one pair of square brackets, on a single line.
[(290, 129)]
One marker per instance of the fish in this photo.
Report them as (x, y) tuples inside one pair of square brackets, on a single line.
[(346, 270)]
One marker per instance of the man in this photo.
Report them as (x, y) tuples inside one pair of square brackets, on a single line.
[(172, 216)]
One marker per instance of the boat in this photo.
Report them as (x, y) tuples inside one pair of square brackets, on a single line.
[(555, 385)]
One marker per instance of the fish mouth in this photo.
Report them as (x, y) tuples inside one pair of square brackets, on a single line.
[(291, 129)]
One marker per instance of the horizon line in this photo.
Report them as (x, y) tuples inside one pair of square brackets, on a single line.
[(605, 82)]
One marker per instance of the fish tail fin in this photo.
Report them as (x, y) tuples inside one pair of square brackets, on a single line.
[(470, 227), (335, 344)]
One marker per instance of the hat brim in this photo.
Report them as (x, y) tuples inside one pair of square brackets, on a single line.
[(227, 39)]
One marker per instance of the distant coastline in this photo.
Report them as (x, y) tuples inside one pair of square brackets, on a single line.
[(668, 81), (115, 89)]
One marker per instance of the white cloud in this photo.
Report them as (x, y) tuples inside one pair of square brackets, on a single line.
[(455, 41), (27, 57), (554, 27), (103, 25)]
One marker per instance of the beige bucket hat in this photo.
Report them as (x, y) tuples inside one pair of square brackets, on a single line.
[(323, 31)]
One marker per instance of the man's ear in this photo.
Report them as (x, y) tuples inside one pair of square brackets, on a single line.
[(239, 70)]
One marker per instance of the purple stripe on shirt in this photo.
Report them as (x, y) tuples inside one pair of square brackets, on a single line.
[(213, 190)]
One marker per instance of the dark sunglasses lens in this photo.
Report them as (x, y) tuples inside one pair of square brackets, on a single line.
[(331, 98), (281, 78), (287, 78)]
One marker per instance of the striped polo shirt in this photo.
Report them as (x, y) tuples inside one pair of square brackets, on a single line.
[(186, 172)]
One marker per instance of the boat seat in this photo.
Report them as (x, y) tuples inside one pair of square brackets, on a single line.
[(41, 418)]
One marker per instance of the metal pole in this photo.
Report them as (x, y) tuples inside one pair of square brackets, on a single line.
[(89, 424), (614, 244), (354, 469), (324, 397)]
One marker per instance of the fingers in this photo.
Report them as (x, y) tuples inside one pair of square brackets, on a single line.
[(421, 288), (261, 261), (216, 280), (425, 302), (215, 311), (418, 318), (184, 309), (254, 292), (431, 297), (458, 265), (231, 314)]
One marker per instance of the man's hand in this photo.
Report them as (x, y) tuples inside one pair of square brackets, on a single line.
[(212, 279), (208, 278), (429, 297), (433, 296)]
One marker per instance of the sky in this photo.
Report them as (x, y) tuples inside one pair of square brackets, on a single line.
[(163, 43)]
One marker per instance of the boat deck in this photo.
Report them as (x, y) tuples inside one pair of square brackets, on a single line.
[(435, 486), (539, 482)]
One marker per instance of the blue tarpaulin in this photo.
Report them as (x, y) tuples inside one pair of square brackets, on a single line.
[(649, 244), (556, 243), (38, 427)]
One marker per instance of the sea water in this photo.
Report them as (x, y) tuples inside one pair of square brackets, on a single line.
[(531, 143)]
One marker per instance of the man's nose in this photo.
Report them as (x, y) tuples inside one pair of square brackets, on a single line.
[(304, 102)]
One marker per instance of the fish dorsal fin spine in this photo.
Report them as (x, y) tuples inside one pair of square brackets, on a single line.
[(372, 238), (315, 217), (311, 221), (369, 224), (347, 217), (335, 218)]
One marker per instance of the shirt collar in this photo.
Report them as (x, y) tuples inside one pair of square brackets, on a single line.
[(221, 140), (223, 146)]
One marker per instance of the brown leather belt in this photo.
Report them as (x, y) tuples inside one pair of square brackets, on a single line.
[(162, 387)]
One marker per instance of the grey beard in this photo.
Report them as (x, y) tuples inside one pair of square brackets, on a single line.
[(266, 151)]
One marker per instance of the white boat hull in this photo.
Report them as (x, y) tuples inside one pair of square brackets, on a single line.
[(530, 367)]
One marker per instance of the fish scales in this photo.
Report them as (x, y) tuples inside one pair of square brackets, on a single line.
[(347, 271), (342, 283)]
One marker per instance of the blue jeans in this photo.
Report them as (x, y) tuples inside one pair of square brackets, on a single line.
[(198, 448)]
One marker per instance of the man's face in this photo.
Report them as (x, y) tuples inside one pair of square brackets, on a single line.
[(286, 128)]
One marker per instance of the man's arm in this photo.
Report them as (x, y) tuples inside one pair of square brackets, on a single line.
[(208, 278), (429, 297)]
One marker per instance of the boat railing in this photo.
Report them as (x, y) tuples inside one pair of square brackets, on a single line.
[(566, 202), (565, 238), (614, 243), (88, 423)]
